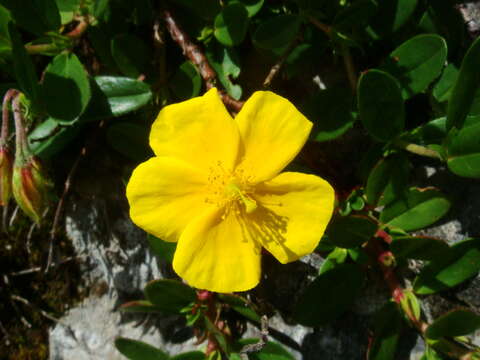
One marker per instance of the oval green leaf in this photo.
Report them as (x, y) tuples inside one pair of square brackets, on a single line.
[(66, 88), (240, 305), (458, 264), (169, 295), (329, 295), (381, 105), (392, 15), (37, 17), (443, 88), (231, 24), (277, 33), (186, 83), (350, 231), (466, 87), (131, 54), (455, 323), (252, 6), (138, 350), (463, 151), (130, 140), (140, 306), (420, 247), (387, 327), (418, 209), (417, 62), (191, 355), (163, 249)]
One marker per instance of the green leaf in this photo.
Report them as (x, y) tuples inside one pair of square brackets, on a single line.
[(140, 306), (131, 54), (417, 62), (336, 257), (277, 33), (388, 178), (418, 209), (455, 323), (240, 305), (458, 264), (350, 231), (466, 88), (138, 350), (67, 9), (271, 351), (24, 70), (329, 295), (252, 6), (463, 151), (130, 140), (392, 15), (163, 249), (231, 24), (387, 328), (66, 88), (35, 16), (114, 96), (49, 138), (420, 247), (5, 42), (169, 295), (356, 13), (191, 355), (433, 132), (380, 105), (331, 113), (186, 83), (226, 63), (206, 9), (443, 88)]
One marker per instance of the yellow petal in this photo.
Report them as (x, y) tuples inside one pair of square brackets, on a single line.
[(273, 131), (164, 195), (199, 131), (214, 254), (296, 209)]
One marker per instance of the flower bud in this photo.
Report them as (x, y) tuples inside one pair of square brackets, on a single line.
[(6, 163), (31, 188)]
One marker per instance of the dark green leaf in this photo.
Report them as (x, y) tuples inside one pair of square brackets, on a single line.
[(418, 209), (388, 178), (417, 62), (381, 105), (169, 295), (191, 355), (252, 6), (433, 132), (331, 113), (329, 295), (392, 15), (131, 54), (463, 151), (35, 16), (387, 327), (271, 351), (466, 88), (162, 249), (186, 83), (130, 140), (24, 70), (140, 306), (444, 86), (277, 33), (66, 88), (231, 24), (455, 323), (350, 231), (206, 9), (458, 264), (356, 13), (226, 64), (50, 137), (421, 248), (240, 305), (138, 350), (67, 9), (5, 42)]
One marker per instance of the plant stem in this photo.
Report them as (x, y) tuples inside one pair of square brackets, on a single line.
[(418, 149), (349, 67), (5, 115), (21, 150)]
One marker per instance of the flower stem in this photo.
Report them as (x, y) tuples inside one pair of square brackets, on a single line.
[(21, 144), (418, 149), (5, 115), (349, 67)]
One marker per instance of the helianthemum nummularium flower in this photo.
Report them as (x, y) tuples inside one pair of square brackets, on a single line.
[(215, 187)]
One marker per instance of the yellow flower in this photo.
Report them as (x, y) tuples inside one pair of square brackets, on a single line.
[(215, 187)]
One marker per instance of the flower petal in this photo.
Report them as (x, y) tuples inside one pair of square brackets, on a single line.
[(214, 254), (164, 195), (296, 209), (199, 131), (273, 132)]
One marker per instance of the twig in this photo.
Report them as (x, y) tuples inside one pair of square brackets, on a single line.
[(5, 334), (349, 67), (195, 54), (39, 268), (258, 346), (278, 65), (418, 149)]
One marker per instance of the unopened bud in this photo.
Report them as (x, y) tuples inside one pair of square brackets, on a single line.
[(31, 188), (387, 259), (6, 164)]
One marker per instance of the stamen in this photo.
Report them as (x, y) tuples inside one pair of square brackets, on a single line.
[(250, 204)]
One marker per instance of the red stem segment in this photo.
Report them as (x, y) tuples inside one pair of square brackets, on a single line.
[(5, 115)]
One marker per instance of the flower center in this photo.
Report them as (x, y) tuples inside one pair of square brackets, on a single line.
[(230, 189)]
